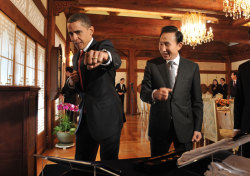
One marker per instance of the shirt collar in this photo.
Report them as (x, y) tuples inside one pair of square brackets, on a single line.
[(88, 45), (176, 60)]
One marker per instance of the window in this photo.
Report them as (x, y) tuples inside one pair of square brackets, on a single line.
[(18, 62), (40, 83)]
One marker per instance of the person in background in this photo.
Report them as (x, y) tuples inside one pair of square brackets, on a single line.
[(121, 90), (95, 65), (233, 84), (223, 88), (242, 103), (215, 87), (171, 84), (70, 95)]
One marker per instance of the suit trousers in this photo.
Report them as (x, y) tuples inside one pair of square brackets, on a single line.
[(87, 147), (245, 150), (160, 146)]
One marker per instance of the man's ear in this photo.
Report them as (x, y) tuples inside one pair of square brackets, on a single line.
[(92, 29), (180, 45)]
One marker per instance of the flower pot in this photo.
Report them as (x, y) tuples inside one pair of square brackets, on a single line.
[(65, 137)]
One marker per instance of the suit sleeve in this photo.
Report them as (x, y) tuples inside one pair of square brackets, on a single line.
[(116, 61), (197, 103), (117, 87), (146, 86), (125, 89), (237, 102)]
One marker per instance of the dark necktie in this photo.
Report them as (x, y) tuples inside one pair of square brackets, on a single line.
[(234, 84), (79, 66), (171, 74)]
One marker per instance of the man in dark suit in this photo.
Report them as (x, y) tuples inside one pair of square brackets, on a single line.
[(171, 84), (242, 104), (233, 84), (121, 90), (95, 65), (223, 88), (68, 93)]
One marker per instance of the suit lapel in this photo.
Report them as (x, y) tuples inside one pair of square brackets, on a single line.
[(75, 60), (164, 71), (180, 72), (92, 46)]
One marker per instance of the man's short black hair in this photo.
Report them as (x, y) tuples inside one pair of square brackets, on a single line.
[(122, 79), (169, 29), (84, 19), (69, 69), (235, 73), (223, 79)]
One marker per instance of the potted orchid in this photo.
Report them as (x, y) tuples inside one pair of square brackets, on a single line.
[(65, 129)]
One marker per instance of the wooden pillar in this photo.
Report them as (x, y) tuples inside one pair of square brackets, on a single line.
[(50, 44), (228, 69), (132, 80), (67, 50)]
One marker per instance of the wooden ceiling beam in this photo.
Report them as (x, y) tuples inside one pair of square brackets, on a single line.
[(116, 25), (208, 6), (240, 21)]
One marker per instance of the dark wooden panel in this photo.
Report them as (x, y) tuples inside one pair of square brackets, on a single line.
[(18, 125)]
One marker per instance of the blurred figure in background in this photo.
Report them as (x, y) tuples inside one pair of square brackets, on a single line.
[(223, 88), (242, 103), (121, 90), (233, 84), (215, 87)]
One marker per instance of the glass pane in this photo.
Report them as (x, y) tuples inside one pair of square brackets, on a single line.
[(30, 63), (40, 83), (7, 32), (19, 58)]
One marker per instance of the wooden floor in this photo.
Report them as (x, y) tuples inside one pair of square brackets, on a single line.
[(134, 142)]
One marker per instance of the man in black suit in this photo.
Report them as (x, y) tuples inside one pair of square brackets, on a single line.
[(171, 84), (223, 88), (233, 84), (68, 93), (95, 65), (242, 104), (121, 90)]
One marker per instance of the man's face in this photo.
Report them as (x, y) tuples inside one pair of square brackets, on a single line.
[(222, 81), (122, 81), (168, 46), (233, 76), (68, 73), (80, 34)]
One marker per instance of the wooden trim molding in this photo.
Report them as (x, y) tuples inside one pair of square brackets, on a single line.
[(213, 72), (122, 70), (60, 6), (41, 8)]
